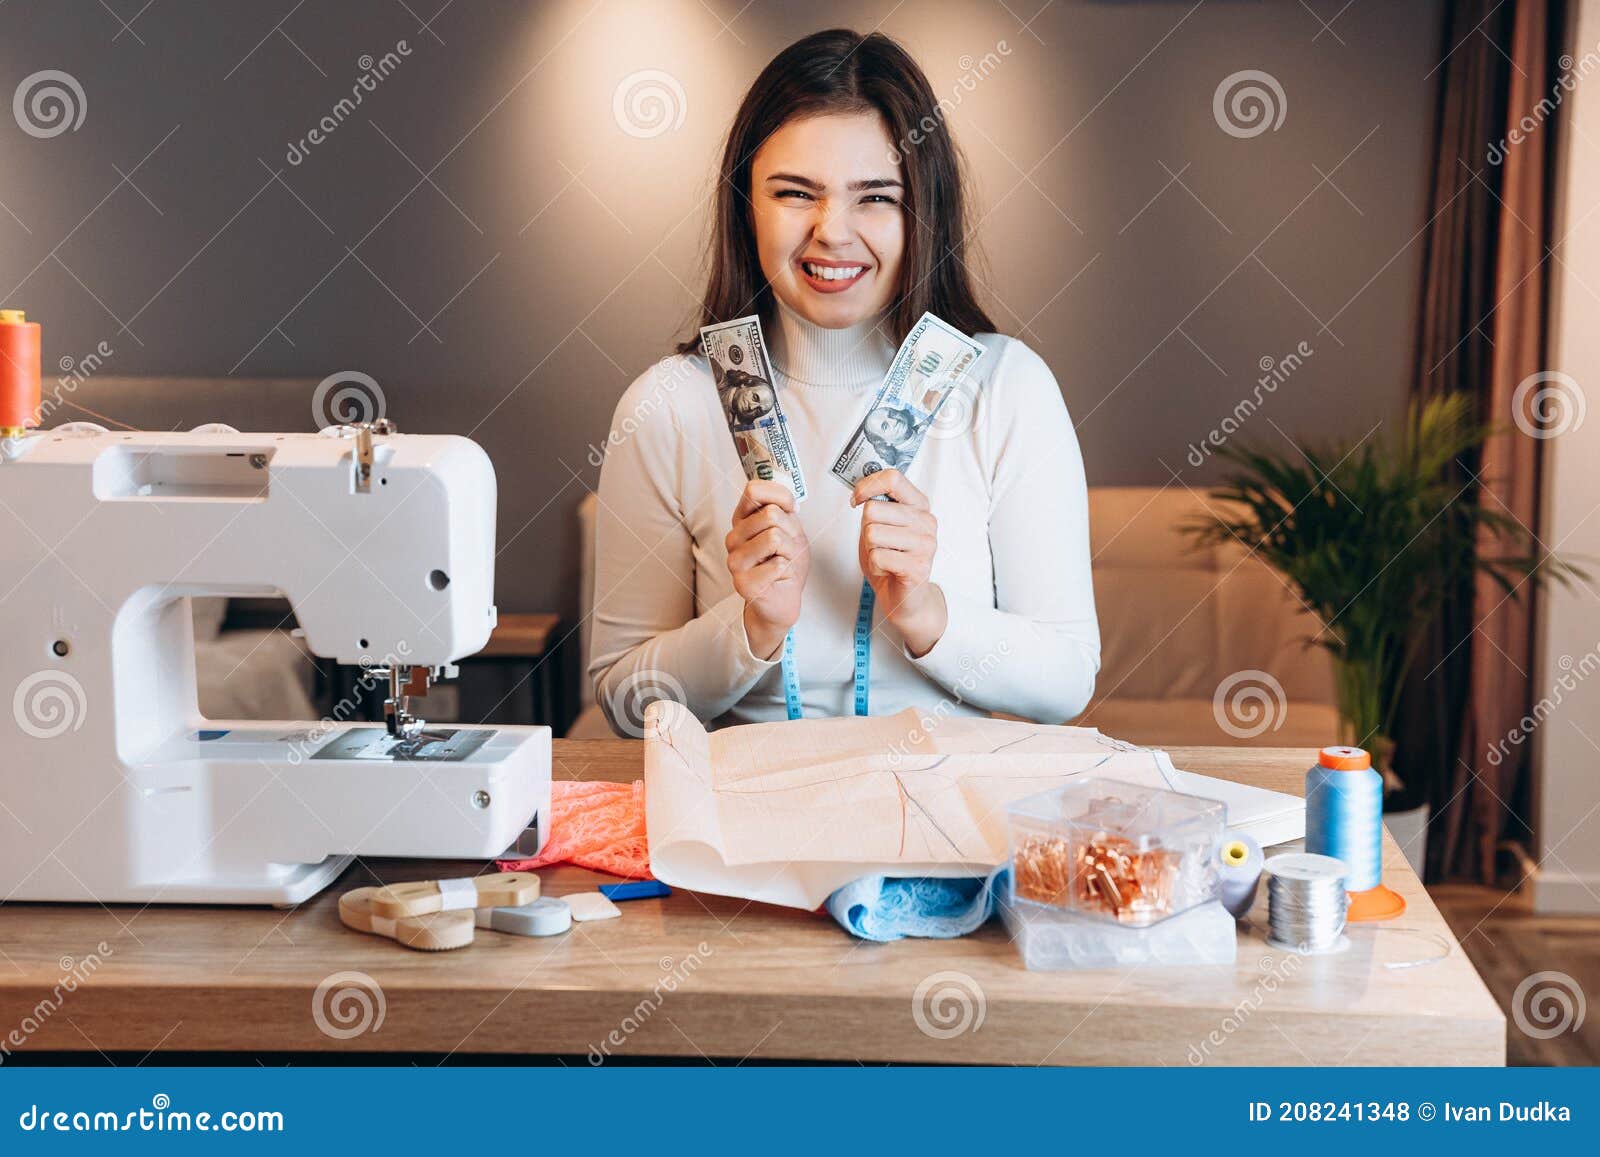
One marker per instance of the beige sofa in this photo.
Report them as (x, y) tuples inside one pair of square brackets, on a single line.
[(1177, 626)]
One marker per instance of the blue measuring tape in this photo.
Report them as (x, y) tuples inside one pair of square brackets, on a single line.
[(863, 658)]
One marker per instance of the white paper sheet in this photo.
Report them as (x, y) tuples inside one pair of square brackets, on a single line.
[(788, 812)]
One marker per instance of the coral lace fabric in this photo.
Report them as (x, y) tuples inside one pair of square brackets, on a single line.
[(597, 825)]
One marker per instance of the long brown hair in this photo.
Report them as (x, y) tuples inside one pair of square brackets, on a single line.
[(840, 71)]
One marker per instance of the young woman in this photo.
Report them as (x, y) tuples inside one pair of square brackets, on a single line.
[(839, 221)]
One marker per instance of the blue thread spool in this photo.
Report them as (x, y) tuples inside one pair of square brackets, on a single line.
[(1344, 819)]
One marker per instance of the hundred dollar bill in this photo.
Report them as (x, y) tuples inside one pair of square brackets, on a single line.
[(931, 362), (748, 392)]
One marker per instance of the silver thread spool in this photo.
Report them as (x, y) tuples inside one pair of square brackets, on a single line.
[(1306, 902)]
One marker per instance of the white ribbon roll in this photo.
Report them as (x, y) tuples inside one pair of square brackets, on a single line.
[(454, 894)]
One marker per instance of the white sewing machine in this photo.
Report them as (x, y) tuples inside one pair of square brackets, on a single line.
[(114, 788)]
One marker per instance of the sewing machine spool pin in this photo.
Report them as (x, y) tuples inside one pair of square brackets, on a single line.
[(362, 457)]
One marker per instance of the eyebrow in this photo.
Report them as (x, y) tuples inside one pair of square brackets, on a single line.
[(853, 186)]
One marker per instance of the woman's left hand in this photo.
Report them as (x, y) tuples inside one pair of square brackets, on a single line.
[(898, 541)]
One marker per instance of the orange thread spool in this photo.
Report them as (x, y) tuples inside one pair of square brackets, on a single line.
[(20, 345)]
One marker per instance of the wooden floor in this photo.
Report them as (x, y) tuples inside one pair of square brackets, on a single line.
[(1508, 943)]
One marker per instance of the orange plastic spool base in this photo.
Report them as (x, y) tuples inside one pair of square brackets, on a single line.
[(19, 372), (1380, 903)]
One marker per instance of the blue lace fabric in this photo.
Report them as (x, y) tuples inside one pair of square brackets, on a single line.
[(888, 908)]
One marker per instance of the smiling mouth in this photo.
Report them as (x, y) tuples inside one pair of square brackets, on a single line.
[(832, 278)]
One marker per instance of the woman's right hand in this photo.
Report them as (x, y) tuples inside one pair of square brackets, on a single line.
[(768, 558)]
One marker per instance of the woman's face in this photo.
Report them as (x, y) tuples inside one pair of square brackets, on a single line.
[(830, 228)]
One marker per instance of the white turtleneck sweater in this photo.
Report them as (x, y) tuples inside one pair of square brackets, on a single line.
[(1012, 559)]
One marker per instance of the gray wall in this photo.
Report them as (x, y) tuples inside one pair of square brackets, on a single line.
[(1151, 257)]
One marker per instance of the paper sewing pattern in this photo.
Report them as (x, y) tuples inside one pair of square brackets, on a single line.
[(787, 812)]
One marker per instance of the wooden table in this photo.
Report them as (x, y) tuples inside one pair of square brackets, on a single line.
[(703, 976)]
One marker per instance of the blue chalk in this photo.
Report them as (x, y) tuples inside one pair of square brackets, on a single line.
[(639, 890)]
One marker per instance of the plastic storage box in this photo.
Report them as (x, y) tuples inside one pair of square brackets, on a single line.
[(1050, 938), (1115, 851)]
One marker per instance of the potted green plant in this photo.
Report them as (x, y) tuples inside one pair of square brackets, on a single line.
[(1374, 537)]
